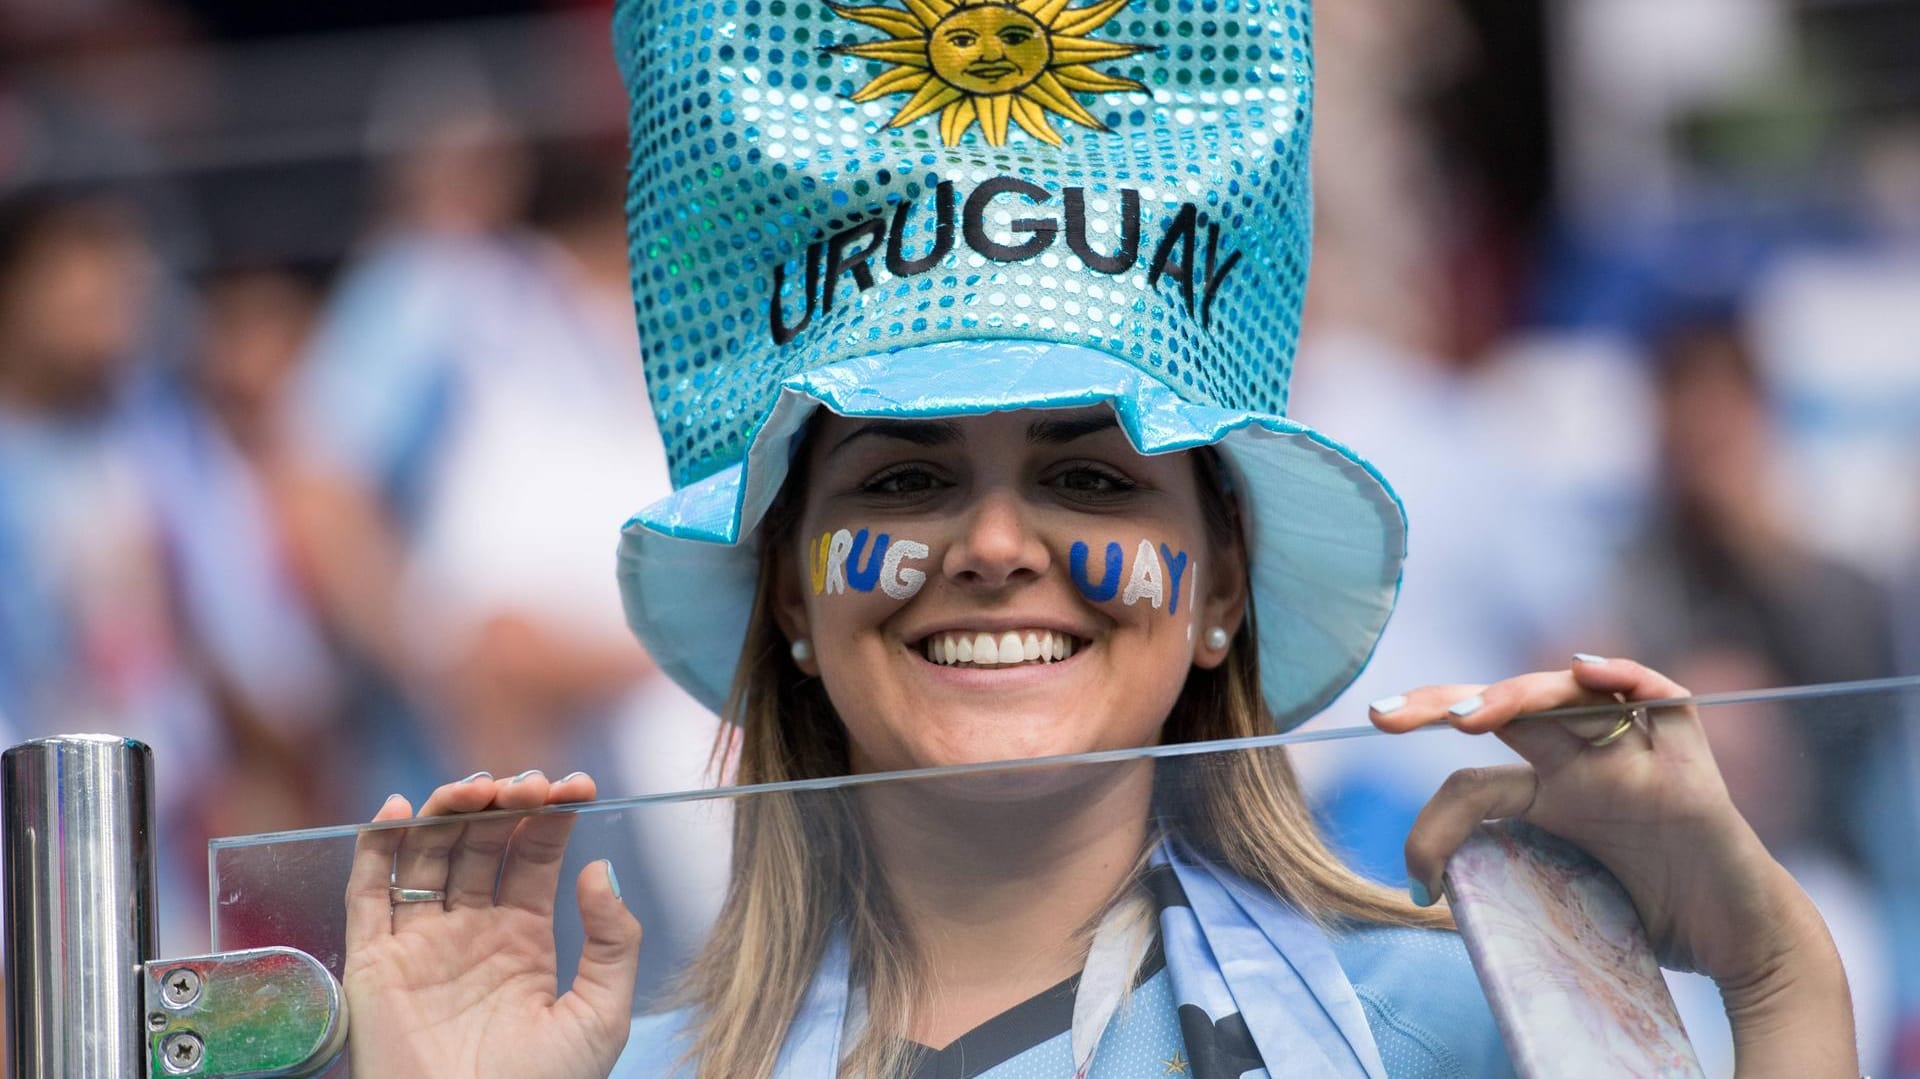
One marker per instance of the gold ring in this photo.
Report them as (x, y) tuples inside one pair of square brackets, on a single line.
[(1618, 732)]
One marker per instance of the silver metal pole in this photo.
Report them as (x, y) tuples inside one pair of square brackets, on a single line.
[(76, 816)]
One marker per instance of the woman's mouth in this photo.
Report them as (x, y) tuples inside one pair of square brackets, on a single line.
[(1003, 648)]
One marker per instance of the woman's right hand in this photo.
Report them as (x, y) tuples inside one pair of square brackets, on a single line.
[(469, 988)]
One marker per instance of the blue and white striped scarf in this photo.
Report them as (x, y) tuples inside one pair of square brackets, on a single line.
[(1260, 990)]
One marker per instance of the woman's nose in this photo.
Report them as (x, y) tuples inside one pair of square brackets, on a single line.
[(997, 546)]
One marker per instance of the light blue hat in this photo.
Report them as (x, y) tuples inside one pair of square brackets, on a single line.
[(951, 207)]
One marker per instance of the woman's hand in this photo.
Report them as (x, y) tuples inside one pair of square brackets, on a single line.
[(468, 987), (1649, 805)]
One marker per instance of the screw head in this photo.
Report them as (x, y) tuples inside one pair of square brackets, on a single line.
[(182, 1053), (156, 1021), (180, 987)]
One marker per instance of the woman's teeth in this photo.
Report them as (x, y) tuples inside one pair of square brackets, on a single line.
[(999, 649)]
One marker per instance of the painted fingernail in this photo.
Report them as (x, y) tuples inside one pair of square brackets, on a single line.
[(1468, 707), (613, 880), (1588, 658), (482, 774), (571, 776), (526, 775), (1389, 705), (391, 798), (1417, 891)]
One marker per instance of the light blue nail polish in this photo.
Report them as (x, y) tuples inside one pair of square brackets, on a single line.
[(1389, 705), (528, 774), (1417, 891), (1588, 658), (571, 776), (1468, 707), (613, 881), (482, 774)]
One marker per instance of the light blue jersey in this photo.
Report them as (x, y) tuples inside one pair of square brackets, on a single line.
[(1423, 1005)]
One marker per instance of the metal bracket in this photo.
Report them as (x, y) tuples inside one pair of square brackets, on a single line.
[(265, 1012)]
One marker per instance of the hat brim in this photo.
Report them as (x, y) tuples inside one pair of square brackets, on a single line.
[(1326, 534)]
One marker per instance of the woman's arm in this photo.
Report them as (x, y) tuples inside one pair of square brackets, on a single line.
[(1650, 806), (1792, 1013)]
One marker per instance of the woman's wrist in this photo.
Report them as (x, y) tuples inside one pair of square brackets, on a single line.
[(1790, 1010)]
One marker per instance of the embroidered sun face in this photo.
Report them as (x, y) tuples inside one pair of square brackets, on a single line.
[(991, 62)]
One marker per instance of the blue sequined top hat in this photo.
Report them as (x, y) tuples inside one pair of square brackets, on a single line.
[(928, 208)]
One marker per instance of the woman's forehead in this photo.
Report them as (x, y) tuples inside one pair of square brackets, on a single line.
[(1034, 426)]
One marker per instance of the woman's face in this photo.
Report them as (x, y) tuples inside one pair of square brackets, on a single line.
[(999, 587)]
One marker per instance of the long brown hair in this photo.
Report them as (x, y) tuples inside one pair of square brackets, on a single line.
[(796, 872)]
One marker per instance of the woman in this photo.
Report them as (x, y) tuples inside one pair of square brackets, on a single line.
[(1002, 509), (978, 431)]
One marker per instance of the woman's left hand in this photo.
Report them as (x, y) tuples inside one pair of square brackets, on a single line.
[(1649, 805)]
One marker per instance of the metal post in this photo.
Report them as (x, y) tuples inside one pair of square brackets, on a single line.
[(77, 814)]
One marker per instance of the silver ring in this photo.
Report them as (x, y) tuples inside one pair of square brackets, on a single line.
[(398, 895)]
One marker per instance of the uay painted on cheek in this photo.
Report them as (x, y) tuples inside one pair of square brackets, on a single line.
[(1155, 576)]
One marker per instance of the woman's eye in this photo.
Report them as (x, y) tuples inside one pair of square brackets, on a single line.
[(1088, 482), (901, 481)]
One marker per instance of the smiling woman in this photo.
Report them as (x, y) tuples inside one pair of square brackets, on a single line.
[(1021, 503)]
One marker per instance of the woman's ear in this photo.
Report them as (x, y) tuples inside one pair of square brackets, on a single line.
[(1223, 591), (790, 609)]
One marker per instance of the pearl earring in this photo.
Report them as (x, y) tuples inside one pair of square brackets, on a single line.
[(802, 650), (1217, 639)]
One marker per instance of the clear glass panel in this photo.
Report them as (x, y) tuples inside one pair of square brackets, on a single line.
[(1829, 777)]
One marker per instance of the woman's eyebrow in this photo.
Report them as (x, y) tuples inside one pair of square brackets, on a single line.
[(1054, 432), (918, 432)]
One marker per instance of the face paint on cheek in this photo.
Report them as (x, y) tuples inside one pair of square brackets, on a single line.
[(838, 546), (1145, 582), (817, 561), (898, 581), (1156, 575), (1176, 567), (1109, 580), (863, 580), (835, 562)]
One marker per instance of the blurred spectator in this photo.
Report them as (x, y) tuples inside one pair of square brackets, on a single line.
[(475, 427), (1724, 564), (140, 600), (1410, 353), (1834, 331), (1725, 567), (256, 324)]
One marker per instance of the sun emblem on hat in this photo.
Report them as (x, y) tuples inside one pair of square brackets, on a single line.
[(991, 62)]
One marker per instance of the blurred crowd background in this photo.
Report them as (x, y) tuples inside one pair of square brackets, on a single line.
[(321, 406)]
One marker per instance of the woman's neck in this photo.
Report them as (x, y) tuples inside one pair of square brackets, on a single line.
[(997, 887)]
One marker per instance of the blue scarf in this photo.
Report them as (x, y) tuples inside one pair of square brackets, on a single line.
[(1257, 983)]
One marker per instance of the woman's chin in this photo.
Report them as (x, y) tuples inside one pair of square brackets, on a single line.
[(956, 734)]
